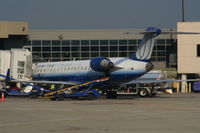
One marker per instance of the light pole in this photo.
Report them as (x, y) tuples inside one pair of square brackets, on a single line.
[(183, 11)]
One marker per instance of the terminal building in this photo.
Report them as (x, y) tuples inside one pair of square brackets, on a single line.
[(64, 45), (13, 34), (188, 51)]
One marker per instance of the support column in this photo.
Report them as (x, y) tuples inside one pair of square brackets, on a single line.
[(183, 83)]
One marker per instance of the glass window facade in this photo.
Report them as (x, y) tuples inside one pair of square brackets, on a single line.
[(63, 50), (198, 50)]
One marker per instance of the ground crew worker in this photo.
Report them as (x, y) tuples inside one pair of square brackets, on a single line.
[(52, 87)]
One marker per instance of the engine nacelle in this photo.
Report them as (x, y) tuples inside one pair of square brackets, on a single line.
[(101, 64)]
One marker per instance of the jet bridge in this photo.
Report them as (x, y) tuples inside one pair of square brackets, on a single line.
[(19, 61)]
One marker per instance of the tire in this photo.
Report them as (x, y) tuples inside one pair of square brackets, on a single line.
[(82, 98), (53, 99), (114, 94), (61, 97), (91, 96), (34, 95), (143, 92), (111, 95), (108, 95)]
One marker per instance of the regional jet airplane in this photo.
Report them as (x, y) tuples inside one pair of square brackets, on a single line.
[(119, 70)]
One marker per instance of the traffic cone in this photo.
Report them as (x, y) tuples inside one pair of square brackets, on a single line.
[(2, 97)]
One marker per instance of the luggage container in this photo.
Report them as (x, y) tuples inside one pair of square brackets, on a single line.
[(196, 87)]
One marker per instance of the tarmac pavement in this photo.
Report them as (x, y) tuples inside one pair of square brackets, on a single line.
[(177, 113)]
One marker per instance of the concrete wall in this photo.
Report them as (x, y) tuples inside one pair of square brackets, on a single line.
[(188, 62), (13, 28), (96, 34)]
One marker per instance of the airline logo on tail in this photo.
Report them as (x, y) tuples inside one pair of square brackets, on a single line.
[(146, 46)]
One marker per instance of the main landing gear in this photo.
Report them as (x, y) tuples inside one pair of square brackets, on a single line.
[(111, 94)]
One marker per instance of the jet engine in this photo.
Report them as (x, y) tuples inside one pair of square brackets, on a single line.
[(101, 64)]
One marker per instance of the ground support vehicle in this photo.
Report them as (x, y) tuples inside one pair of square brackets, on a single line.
[(80, 91), (88, 94), (142, 90), (33, 94), (196, 87)]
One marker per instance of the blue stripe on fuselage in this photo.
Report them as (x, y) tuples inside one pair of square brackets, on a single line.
[(116, 77)]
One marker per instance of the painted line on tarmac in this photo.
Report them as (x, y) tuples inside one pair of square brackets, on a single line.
[(33, 109), (36, 122)]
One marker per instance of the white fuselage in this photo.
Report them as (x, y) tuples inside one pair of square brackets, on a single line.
[(80, 71)]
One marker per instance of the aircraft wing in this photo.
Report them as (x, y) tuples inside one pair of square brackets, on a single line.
[(175, 32), (6, 78), (163, 32), (159, 31), (39, 81), (47, 82)]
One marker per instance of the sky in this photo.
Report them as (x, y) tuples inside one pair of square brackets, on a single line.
[(98, 14)]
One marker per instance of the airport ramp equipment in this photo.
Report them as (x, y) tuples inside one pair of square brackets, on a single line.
[(60, 95), (196, 87)]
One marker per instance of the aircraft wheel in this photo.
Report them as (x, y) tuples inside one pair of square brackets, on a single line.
[(91, 96), (61, 97), (114, 94), (53, 99), (34, 95), (82, 98), (111, 94), (74, 98), (143, 92)]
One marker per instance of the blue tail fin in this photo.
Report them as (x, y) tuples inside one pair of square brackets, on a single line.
[(146, 46)]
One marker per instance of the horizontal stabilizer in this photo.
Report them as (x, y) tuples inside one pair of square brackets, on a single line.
[(174, 32), (162, 32)]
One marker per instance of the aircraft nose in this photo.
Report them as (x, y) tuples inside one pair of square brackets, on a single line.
[(149, 66)]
